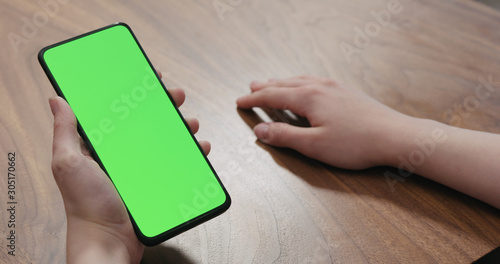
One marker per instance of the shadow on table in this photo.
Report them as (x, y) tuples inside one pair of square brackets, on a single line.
[(379, 182), (164, 254)]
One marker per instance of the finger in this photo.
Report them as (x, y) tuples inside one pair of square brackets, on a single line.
[(66, 148), (257, 85), (193, 124), (284, 83), (178, 95), (274, 98), (65, 133), (285, 135), (205, 145)]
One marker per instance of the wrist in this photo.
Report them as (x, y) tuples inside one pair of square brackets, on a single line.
[(98, 251), (411, 141), (89, 242)]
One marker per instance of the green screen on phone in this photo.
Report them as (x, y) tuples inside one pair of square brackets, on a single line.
[(135, 131)]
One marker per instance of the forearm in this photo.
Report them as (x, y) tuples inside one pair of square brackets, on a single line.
[(465, 160)]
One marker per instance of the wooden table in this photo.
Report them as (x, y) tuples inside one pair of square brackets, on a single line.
[(426, 60)]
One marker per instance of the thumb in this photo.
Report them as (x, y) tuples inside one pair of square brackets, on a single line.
[(285, 135), (66, 154)]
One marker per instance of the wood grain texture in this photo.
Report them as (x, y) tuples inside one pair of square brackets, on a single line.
[(286, 208)]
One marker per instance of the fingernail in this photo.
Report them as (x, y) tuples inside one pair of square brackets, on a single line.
[(262, 131), (53, 105)]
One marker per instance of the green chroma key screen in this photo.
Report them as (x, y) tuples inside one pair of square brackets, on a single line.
[(142, 142)]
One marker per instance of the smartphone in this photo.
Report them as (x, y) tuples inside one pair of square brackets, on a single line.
[(135, 132)]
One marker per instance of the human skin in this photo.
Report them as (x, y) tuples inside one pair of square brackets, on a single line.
[(351, 130), (97, 231), (462, 159)]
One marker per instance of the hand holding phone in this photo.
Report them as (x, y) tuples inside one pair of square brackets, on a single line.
[(98, 225), (135, 132)]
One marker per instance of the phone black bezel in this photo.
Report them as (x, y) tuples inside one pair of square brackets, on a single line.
[(148, 241)]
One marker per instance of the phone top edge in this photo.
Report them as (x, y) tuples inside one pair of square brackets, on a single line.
[(44, 49)]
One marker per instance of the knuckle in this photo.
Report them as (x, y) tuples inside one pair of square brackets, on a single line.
[(276, 132), (58, 126), (268, 96), (265, 93), (311, 91), (65, 162)]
